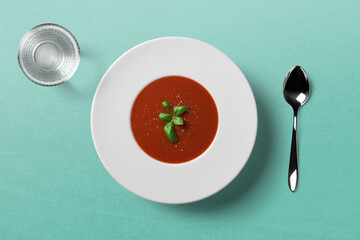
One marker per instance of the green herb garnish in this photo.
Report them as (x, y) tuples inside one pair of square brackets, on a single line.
[(178, 121), (166, 105), (165, 116), (170, 132), (172, 119), (178, 110)]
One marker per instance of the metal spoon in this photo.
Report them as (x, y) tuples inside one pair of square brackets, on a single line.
[(296, 93)]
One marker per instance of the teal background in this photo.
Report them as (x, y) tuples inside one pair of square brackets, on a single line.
[(53, 186)]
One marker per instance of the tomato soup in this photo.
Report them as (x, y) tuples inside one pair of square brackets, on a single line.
[(200, 122)]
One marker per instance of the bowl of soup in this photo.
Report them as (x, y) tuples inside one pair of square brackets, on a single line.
[(174, 120)]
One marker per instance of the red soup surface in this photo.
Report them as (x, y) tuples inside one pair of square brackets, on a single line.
[(200, 122)]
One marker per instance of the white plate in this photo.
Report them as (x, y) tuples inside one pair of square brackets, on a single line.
[(155, 180)]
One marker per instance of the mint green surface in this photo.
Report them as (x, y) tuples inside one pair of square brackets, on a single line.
[(53, 185)]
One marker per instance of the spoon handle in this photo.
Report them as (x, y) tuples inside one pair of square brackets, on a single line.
[(294, 158)]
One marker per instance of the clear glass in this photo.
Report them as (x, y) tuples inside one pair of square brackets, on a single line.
[(48, 54)]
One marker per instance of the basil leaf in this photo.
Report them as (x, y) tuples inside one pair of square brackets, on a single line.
[(178, 121), (166, 105), (165, 116), (178, 110), (170, 132)]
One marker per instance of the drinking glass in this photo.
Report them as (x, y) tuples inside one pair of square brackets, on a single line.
[(48, 54)]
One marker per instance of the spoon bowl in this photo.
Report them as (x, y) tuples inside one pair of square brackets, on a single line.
[(296, 87)]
